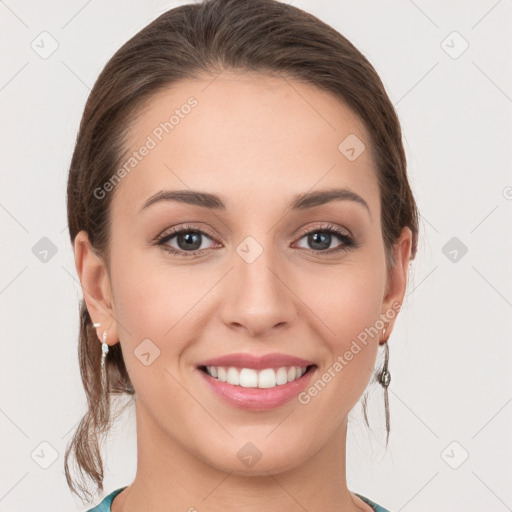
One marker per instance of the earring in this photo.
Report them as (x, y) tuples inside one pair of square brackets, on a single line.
[(104, 349), (385, 375), (385, 379)]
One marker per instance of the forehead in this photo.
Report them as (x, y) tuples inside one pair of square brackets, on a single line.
[(246, 136)]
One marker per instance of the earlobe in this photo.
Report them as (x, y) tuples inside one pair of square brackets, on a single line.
[(96, 290)]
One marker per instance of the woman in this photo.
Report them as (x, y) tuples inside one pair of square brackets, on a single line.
[(242, 225)]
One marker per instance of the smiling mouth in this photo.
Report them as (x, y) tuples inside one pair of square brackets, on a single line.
[(251, 378)]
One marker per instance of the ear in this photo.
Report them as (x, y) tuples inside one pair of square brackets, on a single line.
[(397, 280), (95, 282)]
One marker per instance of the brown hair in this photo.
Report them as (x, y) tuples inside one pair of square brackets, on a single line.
[(188, 41)]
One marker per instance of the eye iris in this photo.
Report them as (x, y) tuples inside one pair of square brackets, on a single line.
[(324, 239), (192, 240)]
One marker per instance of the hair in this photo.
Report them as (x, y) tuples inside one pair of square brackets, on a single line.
[(187, 42)]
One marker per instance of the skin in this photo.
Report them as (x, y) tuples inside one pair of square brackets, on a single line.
[(256, 141)]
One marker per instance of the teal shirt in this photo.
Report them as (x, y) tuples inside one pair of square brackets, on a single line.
[(104, 506)]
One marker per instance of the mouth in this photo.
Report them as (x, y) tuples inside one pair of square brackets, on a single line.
[(256, 382), (264, 378), (261, 389)]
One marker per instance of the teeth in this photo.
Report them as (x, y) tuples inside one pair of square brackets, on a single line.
[(250, 378)]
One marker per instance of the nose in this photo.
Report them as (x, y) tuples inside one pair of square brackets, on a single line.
[(257, 298)]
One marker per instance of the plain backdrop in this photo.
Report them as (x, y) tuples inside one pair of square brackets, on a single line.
[(446, 67)]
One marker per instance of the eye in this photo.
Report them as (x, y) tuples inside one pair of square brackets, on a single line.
[(320, 239), (189, 241)]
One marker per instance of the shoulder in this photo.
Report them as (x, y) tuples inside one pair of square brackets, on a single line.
[(372, 504), (104, 506)]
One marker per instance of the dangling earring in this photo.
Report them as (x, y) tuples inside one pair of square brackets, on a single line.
[(385, 379), (104, 352), (104, 349)]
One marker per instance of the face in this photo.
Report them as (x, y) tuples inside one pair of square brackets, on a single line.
[(256, 270)]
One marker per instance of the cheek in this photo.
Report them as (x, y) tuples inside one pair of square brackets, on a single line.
[(150, 301), (151, 310), (149, 295), (347, 298), (357, 303)]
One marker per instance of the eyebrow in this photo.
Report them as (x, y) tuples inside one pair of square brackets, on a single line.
[(298, 202)]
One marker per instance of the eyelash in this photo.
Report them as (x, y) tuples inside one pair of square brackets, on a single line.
[(348, 241)]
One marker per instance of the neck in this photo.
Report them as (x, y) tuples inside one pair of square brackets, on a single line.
[(168, 475)]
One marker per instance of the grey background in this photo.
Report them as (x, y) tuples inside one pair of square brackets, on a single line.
[(450, 353)]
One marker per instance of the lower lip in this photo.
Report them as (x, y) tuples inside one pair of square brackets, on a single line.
[(258, 398)]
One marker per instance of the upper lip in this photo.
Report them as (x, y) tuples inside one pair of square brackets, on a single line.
[(243, 360)]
